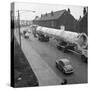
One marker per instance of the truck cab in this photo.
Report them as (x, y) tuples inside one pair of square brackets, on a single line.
[(42, 37)]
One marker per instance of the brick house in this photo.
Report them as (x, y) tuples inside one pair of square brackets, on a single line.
[(83, 24), (57, 19)]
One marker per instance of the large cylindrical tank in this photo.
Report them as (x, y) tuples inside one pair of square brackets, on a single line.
[(68, 36)]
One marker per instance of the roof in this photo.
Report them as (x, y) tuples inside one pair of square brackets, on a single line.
[(64, 60), (55, 15), (84, 17)]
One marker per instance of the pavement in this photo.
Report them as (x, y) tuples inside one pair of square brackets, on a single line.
[(45, 74)]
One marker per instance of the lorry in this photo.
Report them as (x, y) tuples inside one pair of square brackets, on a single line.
[(39, 34), (67, 40)]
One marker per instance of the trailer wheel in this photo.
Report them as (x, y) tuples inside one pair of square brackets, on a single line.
[(47, 39), (84, 58)]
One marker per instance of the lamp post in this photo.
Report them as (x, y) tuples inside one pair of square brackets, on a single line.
[(19, 22)]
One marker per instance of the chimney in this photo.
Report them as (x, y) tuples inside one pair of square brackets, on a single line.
[(46, 13), (68, 10), (52, 13), (41, 15), (84, 11)]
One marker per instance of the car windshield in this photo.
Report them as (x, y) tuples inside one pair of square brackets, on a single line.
[(67, 63)]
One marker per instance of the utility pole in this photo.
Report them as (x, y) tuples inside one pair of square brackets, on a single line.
[(19, 23), (19, 28)]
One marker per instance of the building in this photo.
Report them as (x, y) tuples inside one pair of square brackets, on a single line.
[(83, 23), (57, 20), (25, 22)]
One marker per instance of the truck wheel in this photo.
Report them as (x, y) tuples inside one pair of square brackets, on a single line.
[(58, 47), (84, 58), (65, 50), (48, 39)]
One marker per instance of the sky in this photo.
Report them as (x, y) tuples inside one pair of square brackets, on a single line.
[(39, 9)]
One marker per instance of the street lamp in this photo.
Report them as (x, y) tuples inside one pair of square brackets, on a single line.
[(19, 21)]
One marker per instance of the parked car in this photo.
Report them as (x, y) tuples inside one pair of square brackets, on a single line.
[(64, 65)]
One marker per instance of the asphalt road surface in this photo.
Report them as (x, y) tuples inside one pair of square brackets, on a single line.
[(49, 53)]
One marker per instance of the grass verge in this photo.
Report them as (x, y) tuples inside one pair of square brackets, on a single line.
[(23, 74)]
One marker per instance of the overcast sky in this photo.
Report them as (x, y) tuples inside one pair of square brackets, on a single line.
[(76, 11)]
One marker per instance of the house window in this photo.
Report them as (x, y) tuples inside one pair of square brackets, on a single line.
[(52, 23), (62, 27)]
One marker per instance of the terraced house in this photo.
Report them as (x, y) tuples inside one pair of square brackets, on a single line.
[(57, 19), (83, 22)]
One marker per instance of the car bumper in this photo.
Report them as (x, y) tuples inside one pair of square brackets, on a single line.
[(69, 72)]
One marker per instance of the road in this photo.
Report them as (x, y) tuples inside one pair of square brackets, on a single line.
[(49, 53)]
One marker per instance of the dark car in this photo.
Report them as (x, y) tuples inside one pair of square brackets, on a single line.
[(26, 35), (64, 65)]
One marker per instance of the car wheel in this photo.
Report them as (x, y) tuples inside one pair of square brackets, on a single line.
[(63, 71), (56, 65)]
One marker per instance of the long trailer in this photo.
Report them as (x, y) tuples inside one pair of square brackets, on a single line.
[(72, 41)]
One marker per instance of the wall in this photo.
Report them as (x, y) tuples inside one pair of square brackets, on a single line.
[(83, 25), (68, 21)]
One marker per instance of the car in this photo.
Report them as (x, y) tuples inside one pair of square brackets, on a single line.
[(64, 65), (26, 35)]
